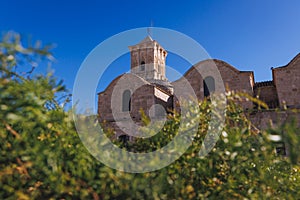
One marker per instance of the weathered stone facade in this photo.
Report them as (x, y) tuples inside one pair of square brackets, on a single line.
[(287, 81), (147, 85), (266, 91)]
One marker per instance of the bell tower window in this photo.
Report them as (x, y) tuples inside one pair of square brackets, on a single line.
[(142, 66)]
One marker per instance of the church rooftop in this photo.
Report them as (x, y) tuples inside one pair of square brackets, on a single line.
[(147, 39)]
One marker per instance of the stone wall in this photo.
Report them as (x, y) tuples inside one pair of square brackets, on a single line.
[(144, 97), (231, 79), (238, 81), (142, 100), (287, 81), (104, 102), (265, 119), (266, 92), (110, 100)]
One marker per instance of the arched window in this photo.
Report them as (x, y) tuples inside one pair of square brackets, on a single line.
[(124, 138), (126, 100), (209, 86), (142, 66)]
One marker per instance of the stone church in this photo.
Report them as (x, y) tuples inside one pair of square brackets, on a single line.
[(147, 85)]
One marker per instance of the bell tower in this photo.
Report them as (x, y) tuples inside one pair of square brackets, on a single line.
[(148, 60)]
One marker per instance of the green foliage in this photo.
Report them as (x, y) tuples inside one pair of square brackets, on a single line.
[(42, 156)]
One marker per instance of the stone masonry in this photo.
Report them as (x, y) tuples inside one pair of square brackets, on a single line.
[(147, 85)]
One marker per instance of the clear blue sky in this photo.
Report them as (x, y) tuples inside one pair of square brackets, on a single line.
[(250, 35)]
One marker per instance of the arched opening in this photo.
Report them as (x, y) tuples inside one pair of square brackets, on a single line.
[(142, 66), (126, 98), (209, 86), (123, 139)]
